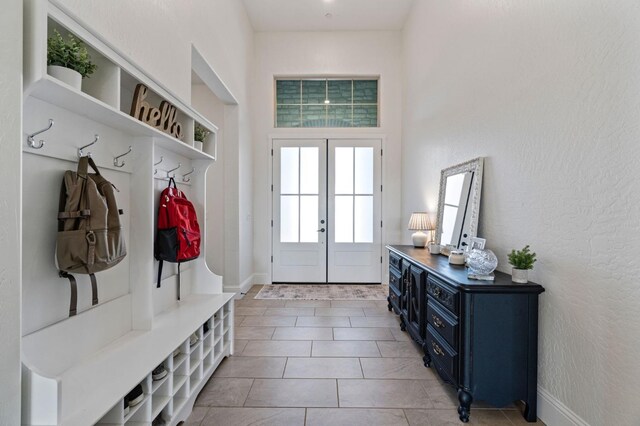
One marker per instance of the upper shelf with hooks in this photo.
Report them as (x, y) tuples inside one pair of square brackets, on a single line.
[(106, 96)]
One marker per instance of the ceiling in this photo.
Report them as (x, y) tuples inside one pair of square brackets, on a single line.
[(327, 15)]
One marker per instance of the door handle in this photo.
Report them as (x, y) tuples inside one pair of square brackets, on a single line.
[(320, 230)]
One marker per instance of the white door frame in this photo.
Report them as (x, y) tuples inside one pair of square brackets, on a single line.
[(328, 135)]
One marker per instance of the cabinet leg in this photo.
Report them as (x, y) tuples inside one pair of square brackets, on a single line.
[(530, 411), (403, 326), (389, 303), (426, 358), (464, 409)]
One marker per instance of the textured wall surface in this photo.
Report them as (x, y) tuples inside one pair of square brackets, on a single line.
[(549, 93), (157, 35), (325, 53), (10, 215)]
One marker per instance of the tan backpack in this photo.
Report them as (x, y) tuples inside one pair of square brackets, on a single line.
[(90, 237)]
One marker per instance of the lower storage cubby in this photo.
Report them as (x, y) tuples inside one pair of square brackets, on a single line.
[(188, 367)]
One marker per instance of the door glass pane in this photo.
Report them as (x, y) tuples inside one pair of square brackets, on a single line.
[(364, 171), (365, 91), (365, 116), (288, 92), (363, 214), (309, 224), (343, 221), (289, 170), (448, 222), (314, 91), (344, 170), (339, 91), (288, 116), (309, 170), (289, 218), (339, 116)]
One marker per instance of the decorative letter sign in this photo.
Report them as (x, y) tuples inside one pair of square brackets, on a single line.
[(163, 118)]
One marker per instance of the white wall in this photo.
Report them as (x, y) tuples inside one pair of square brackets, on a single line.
[(324, 53), (549, 92), (158, 37), (10, 210)]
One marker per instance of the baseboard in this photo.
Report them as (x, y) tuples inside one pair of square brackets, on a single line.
[(554, 413), (242, 288)]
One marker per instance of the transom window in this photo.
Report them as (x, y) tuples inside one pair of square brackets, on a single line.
[(326, 103)]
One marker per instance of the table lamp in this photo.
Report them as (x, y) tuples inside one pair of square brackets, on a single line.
[(420, 222)]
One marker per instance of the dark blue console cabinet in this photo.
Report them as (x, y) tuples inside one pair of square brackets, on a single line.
[(480, 336)]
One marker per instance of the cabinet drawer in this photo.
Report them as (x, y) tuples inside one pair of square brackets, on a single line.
[(395, 261), (446, 326), (442, 355), (443, 294), (394, 279)]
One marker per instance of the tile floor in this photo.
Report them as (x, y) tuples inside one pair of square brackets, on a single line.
[(320, 362)]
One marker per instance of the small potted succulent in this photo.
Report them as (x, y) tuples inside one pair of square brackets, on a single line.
[(68, 60), (522, 261)]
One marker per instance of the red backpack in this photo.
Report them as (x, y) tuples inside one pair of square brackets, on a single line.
[(178, 237)]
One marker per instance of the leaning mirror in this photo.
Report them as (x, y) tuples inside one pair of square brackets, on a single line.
[(459, 203)]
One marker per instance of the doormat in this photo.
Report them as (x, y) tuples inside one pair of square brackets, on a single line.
[(323, 292)]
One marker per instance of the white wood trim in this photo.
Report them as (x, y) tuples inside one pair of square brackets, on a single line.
[(553, 412)]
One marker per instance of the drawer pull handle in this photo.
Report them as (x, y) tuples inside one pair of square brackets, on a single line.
[(437, 349), (437, 291), (437, 322)]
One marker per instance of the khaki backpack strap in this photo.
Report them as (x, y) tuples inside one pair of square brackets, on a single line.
[(94, 289), (93, 165), (74, 215), (73, 302), (83, 163)]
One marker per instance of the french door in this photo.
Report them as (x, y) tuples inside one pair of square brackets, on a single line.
[(326, 211)]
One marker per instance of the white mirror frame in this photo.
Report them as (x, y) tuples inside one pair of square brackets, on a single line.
[(470, 224)]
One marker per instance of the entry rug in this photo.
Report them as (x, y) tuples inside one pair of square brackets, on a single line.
[(323, 292)]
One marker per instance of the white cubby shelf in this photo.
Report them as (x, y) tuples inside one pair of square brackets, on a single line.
[(77, 370)]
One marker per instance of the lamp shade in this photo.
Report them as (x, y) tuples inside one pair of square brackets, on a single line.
[(420, 221)]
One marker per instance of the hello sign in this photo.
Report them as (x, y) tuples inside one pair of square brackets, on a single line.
[(162, 118)]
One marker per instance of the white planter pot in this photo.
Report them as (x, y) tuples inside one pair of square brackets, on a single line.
[(66, 75), (520, 275), (197, 145)]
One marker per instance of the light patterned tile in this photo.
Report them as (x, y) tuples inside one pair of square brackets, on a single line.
[(254, 333), (307, 304), (400, 350), (375, 321), (250, 367), (291, 312), (277, 348), (355, 417), (353, 303), (379, 312), (440, 417), (399, 335), (345, 348), (266, 321), (293, 393), (250, 302), (339, 312), (323, 368), (323, 322), (441, 394), (303, 333), (395, 368), (515, 416), (254, 417), (242, 311), (238, 346), (382, 394), (197, 415), (362, 334), (224, 392)]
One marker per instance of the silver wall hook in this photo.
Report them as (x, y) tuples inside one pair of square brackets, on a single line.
[(30, 138), (184, 176), (155, 171), (115, 159), (81, 153), (173, 170)]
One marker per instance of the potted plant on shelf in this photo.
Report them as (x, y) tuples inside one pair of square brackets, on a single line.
[(199, 136), (68, 60), (522, 261)]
